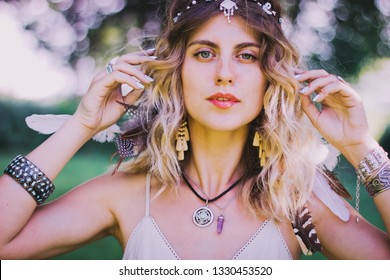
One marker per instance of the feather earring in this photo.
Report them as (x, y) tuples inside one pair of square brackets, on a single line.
[(257, 143), (181, 140)]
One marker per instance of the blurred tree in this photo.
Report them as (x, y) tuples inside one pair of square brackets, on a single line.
[(344, 34), (338, 35)]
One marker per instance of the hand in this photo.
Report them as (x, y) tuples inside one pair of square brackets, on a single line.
[(342, 120), (99, 108)]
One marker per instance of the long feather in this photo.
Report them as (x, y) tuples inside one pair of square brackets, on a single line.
[(327, 156), (330, 198), (332, 158), (46, 124), (49, 123)]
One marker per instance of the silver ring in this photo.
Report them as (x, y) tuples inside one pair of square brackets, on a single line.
[(109, 68), (110, 64)]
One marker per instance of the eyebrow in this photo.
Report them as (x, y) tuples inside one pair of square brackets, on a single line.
[(214, 45)]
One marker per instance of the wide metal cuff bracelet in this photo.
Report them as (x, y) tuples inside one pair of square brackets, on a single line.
[(371, 164), (31, 178), (380, 182)]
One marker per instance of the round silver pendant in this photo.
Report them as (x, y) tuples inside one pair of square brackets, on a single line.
[(203, 216)]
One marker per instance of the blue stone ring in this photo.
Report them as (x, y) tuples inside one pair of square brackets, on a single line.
[(109, 68), (110, 64)]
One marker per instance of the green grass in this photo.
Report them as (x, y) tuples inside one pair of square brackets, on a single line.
[(85, 166)]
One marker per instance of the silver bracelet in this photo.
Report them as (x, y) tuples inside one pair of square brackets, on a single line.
[(31, 178), (380, 182), (370, 165)]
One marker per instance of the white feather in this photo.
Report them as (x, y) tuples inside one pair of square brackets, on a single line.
[(48, 124), (331, 199), (332, 158), (321, 154), (327, 155), (108, 134)]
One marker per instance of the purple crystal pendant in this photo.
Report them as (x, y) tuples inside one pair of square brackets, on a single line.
[(220, 221)]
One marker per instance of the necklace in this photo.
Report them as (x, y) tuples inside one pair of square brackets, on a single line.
[(203, 216)]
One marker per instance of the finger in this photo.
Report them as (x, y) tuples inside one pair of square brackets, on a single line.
[(149, 52), (134, 59), (310, 109), (137, 81), (132, 71), (130, 98), (119, 77), (318, 83), (328, 90), (111, 83), (308, 76), (137, 58)]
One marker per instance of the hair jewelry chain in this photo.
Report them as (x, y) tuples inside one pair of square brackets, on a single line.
[(228, 7)]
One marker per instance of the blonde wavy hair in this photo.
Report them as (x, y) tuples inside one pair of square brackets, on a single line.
[(280, 188)]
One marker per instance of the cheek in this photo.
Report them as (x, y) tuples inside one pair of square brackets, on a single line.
[(258, 92), (187, 80), (257, 103)]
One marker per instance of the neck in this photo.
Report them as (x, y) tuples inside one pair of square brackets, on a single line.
[(216, 158)]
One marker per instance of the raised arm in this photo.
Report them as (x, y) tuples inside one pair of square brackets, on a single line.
[(28, 231), (342, 122)]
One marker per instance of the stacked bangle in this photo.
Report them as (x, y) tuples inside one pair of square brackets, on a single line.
[(374, 172), (31, 178), (380, 182)]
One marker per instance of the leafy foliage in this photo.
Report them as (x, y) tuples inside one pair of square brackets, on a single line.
[(355, 31)]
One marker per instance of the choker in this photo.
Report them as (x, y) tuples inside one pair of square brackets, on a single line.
[(203, 216)]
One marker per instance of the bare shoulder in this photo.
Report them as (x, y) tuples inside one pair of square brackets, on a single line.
[(121, 196), (111, 188), (120, 191), (126, 197)]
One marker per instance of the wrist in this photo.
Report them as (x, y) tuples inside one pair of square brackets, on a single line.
[(75, 126), (356, 153)]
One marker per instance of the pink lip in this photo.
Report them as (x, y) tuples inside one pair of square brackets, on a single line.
[(222, 100)]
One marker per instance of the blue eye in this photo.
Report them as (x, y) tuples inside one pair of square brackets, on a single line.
[(204, 54), (247, 56)]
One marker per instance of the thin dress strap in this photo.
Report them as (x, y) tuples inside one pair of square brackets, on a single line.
[(147, 190)]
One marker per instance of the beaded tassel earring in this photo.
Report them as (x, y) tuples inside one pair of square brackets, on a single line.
[(257, 143), (181, 141)]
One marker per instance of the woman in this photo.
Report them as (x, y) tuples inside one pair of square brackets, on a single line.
[(222, 159)]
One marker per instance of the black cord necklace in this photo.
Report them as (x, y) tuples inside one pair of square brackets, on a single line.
[(203, 216), (212, 199)]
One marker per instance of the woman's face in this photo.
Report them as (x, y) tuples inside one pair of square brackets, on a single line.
[(222, 81)]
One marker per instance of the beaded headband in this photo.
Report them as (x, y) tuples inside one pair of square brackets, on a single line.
[(228, 7)]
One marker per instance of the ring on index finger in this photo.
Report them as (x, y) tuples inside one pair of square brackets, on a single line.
[(110, 64), (109, 68)]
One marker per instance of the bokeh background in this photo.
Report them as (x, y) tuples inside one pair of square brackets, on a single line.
[(50, 50)]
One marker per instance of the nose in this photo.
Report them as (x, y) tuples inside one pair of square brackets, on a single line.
[(225, 75)]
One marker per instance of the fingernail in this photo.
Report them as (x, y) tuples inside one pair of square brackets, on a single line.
[(297, 76), (140, 85), (316, 98), (153, 57), (149, 78), (304, 90), (151, 50), (126, 89)]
